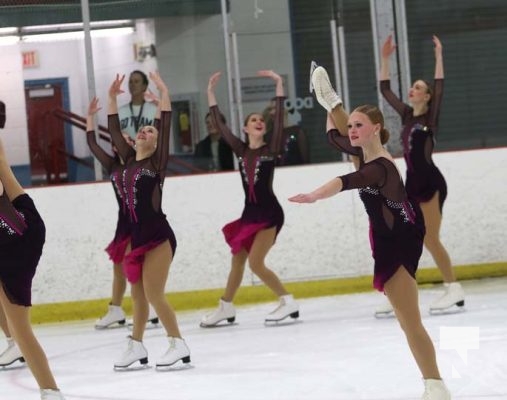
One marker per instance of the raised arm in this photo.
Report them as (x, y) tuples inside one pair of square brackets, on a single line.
[(276, 142), (104, 158), (340, 138), (113, 122), (232, 140), (439, 61), (161, 155), (388, 49), (438, 87)]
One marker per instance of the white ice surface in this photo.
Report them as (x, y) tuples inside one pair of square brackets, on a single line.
[(337, 350)]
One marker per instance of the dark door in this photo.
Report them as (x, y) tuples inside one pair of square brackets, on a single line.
[(46, 134)]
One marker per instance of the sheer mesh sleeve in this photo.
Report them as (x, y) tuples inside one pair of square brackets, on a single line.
[(105, 159), (161, 155), (236, 144), (371, 174), (436, 101), (400, 107), (342, 143), (113, 125), (276, 143)]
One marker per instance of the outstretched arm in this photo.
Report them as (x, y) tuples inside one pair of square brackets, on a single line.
[(438, 87), (371, 174), (329, 189), (338, 137)]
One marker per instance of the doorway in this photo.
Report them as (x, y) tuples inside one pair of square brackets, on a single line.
[(46, 133)]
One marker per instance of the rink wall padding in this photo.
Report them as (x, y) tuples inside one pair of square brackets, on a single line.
[(206, 299)]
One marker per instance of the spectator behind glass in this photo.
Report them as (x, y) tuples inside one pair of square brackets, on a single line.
[(138, 112), (296, 149), (213, 152)]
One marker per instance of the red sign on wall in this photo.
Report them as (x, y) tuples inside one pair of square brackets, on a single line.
[(30, 59)]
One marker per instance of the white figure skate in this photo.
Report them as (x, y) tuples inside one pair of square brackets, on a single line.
[(225, 311), (286, 308)]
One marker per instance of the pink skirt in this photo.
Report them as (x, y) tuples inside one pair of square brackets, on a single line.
[(240, 235), (117, 248), (134, 260)]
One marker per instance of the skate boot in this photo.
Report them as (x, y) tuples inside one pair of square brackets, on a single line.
[(178, 350), (11, 354), (225, 311), (324, 92), (435, 389), (287, 308), (384, 310), (135, 352), (152, 317), (454, 295), (115, 315), (51, 394)]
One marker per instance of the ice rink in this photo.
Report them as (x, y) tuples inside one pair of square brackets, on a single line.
[(337, 350)]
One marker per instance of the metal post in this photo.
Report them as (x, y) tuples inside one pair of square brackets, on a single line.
[(225, 23), (403, 50), (85, 11), (237, 77)]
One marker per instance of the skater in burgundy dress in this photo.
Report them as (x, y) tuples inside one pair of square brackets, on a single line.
[(252, 235), (22, 237), (425, 183), (153, 242), (396, 223), (114, 166)]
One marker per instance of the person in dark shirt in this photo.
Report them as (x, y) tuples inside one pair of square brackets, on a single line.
[(254, 233), (396, 223), (22, 237), (153, 243), (424, 181), (213, 150)]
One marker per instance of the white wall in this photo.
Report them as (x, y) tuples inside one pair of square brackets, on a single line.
[(328, 239)]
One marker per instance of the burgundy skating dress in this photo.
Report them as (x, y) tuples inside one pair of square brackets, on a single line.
[(396, 225), (22, 237), (256, 166), (113, 166), (142, 190), (424, 179)]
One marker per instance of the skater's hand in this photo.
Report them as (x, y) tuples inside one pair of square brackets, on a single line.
[(159, 83), (213, 80), (151, 97), (303, 198), (93, 107), (115, 88), (388, 47), (270, 74), (438, 46)]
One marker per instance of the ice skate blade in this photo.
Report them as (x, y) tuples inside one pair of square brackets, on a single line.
[(185, 361), (220, 324), (293, 318), (457, 308), (20, 359), (149, 324), (114, 325), (143, 364), (384, 315), (313, 65)]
